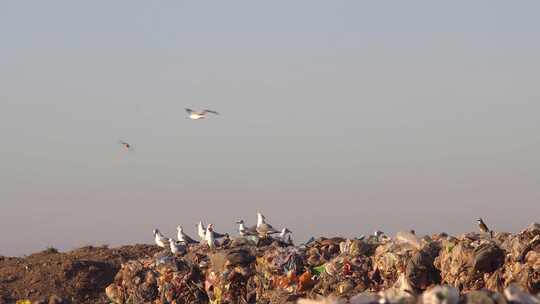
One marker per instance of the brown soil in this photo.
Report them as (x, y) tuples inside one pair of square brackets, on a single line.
[(78, 276)]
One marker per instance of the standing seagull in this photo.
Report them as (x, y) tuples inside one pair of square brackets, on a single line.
[(483, 227), (200, 231), (183, 237), (159, 238), (126, 145), (195, 115), (263, 228), (245, 231), (284, 233), (209, 236), (177, 247)]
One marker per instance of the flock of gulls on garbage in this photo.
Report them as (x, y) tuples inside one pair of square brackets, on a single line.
[(210, 237)]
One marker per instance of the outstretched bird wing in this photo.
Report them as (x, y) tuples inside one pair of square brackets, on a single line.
[(210, 111), (189, 111), (126, 145)]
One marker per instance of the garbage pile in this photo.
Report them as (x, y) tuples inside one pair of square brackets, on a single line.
[(161, 279), (439, 294), (262, 265), (470, 268)]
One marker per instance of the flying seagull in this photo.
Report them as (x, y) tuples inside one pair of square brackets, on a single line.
[(195, 115), (183, 237), (126, 145)]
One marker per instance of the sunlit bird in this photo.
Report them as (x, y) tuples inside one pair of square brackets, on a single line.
[(183, 237), (482, 226), (177, 247), (263, 228), (201, 231), (160, 239), (209, 236), (195, 115), (245, 231)]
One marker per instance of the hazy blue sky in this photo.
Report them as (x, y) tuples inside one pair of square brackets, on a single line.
[(338, 117)]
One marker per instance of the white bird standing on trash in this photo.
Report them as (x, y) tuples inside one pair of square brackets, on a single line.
[(176, 247), (200, 231), (263, 228), (209, 236), (159, 238), (284, 233), (245, 231), (196, 115), (183, 237)]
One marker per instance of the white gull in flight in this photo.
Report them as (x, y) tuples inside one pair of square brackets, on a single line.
[(195, 115), (126, 145)]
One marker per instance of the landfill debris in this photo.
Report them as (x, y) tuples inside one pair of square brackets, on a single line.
[(473, 267), (441, 294), (515, 295), (379, 269)]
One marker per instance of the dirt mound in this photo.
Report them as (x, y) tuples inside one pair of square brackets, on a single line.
[(78, 276)]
